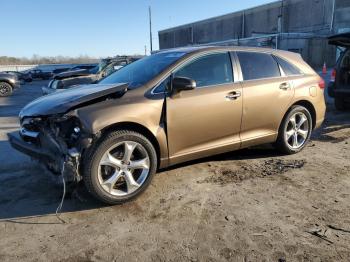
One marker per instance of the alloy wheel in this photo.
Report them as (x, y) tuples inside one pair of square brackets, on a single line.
[(4, 89), (297, 130), (123, 168)]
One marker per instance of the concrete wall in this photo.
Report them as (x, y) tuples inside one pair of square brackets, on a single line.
[(240, 24), (307, 15), (342, 16), (288, 16)]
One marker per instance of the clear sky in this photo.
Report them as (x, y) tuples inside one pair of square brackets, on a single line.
[(98, 28)]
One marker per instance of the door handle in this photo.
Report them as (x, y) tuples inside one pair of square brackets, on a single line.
[(285, 86), (233, 95)]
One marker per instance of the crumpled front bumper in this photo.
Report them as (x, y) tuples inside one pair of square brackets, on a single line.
[(48, 152), (29, 149)]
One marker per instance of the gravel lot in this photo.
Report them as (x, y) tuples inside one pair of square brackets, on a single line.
[(249, 205)]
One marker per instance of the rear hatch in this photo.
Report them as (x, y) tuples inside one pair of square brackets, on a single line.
[(342, 40), (341, 73)]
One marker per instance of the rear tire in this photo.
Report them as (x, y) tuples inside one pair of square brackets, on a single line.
[(295, 130), (5, 89), (119, 166), (339, 103)]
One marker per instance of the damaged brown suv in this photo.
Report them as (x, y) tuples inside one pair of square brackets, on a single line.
[(171, 107)]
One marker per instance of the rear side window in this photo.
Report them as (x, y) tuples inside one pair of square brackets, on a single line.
[(287, 67), (213, 69), (258, 65)]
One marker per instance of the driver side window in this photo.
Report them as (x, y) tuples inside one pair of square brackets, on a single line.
[(208, 70)]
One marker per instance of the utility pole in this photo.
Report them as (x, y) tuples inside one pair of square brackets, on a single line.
[(150, 28), (281, 18), (332, 19)]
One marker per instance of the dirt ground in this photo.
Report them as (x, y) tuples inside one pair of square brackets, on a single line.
[(249, 205)]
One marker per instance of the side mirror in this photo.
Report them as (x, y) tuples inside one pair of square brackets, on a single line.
[(182, 84)]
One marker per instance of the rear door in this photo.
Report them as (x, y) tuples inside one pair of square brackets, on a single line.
[(266, 97), (206, 120)]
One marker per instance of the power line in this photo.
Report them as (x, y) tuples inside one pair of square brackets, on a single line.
[(150, 28)]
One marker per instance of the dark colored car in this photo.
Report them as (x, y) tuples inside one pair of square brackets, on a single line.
[(40, 74), (8, 82), (79, 67), (22, 76), (168, 108), (60, 70), (339, 86), (71, 78)]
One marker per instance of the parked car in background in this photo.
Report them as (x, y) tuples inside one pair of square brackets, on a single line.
[(79, 67), (8, 82), (60, 70), (71, 78), (22, 76), (171, 107), (40, 74), (339, 86)]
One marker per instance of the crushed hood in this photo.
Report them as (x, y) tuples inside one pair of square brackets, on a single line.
[(62, 102), (342, 40)]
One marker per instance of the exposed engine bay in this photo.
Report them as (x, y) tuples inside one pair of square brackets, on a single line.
[(63, 141)]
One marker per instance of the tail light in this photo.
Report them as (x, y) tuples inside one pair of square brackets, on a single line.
[(321, 84), (333, 75)]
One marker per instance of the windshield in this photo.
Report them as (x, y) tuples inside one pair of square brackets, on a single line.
[(140, 72), (94, 70)]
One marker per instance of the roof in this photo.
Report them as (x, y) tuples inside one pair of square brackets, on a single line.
[(194, 49)]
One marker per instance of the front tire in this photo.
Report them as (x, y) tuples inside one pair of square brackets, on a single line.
[(295, 130), (5, 89), (119, 167)]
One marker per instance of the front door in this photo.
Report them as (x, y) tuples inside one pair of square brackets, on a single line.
[(207, 119)]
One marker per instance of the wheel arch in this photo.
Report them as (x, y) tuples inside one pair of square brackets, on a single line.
[(132, 126), (7, 82), (308, 105)]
